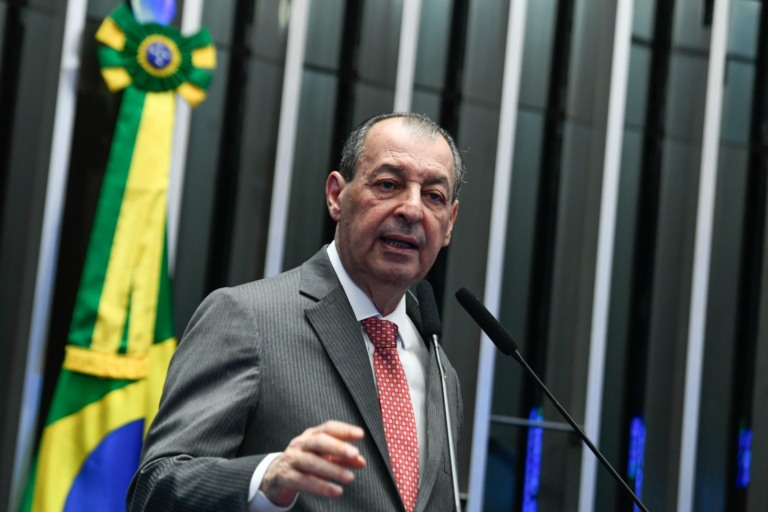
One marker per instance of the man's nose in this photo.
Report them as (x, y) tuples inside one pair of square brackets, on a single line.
[(410, 205)]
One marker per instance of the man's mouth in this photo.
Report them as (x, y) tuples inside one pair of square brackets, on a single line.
[(398, 244)]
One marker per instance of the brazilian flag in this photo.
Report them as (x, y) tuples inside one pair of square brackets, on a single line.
[(121, 336)]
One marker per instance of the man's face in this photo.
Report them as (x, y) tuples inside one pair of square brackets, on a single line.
[(397, 212)]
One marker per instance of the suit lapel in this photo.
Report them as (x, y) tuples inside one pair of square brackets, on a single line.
[(340, 333)]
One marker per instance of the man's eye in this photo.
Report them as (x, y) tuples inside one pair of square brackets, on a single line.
[(436, 197), (386, 185)]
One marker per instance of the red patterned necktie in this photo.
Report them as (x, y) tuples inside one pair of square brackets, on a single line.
[(396, 409)]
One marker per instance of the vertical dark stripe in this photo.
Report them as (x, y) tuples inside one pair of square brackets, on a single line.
[(450, 105), (230, 148), (347, 76), (540, 291), (750, 271), (10, 66), (708, 12), (545, 234), (450, 102), (12, 34), (646, 226)]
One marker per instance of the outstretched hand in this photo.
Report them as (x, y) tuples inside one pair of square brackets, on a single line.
[(318, 461)]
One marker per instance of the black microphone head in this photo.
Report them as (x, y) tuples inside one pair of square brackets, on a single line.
[(487, 322), (430, 317)]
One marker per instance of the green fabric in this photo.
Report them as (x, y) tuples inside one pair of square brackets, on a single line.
[(76, 390), (200, 77), (111, 58), (202, 38), (29, 489), (123, 348), (105, 222)]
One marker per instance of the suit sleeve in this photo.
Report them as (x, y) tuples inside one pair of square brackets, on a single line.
[(191, 457), (459, 405), (454, 394)]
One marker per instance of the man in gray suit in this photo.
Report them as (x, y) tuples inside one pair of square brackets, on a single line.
[(271, 400)]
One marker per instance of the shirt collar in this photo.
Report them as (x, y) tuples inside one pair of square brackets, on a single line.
[(362, 305)]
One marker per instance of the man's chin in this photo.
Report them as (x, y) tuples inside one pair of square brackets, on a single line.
[(400, 277)]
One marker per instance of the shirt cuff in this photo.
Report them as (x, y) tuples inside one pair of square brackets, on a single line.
[(257, 500)]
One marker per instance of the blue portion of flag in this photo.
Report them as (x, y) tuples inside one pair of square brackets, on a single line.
[(102, 484)]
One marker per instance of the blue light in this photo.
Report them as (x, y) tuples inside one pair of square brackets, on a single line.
[(154, 11), (533, 463), (636, 455), (745, 458)]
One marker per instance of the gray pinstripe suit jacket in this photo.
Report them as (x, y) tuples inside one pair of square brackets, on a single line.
[(260, 363)]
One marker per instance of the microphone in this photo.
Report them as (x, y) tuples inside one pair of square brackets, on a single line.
[(504, 342), (430, 317), (432, 328)]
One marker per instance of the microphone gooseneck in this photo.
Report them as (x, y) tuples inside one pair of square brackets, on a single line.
[(504, 342), (432, 328)]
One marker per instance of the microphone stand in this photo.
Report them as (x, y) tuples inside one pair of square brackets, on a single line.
[(451, 451), (432, 329), (577, 429), (504, 342)]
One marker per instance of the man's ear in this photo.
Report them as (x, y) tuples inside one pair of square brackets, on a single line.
[(454, 212), (333, 187)]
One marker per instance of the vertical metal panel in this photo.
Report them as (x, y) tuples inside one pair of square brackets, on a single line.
[(231, 143), (737, 487), (496, 246), (605, 246), (286, 142), (406, 59), (190, 23), (702, 256), (66, 100), (757, 499)]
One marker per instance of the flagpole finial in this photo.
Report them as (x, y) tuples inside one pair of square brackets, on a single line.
[(154, 11)]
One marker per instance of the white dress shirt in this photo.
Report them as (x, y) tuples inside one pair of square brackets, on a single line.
[(414, 356)]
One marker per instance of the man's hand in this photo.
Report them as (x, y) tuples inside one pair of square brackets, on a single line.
[(317, 461)]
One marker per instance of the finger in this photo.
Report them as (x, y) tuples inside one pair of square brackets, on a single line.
[(341, 430), (320, 467), (354, 462), (328, 447)]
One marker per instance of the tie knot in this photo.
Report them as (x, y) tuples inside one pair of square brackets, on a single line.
[(383, 333)]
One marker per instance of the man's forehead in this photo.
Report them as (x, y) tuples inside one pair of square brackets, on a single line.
[(397, 126), (397, 160), (395, 136)]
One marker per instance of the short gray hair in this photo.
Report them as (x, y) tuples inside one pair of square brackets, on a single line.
[(354, 146)]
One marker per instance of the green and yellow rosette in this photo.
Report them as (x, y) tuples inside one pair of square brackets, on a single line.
[(154, 58)]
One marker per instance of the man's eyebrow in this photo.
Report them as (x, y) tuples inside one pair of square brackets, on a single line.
[(439, 180), (389, 168), (401, 173)]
